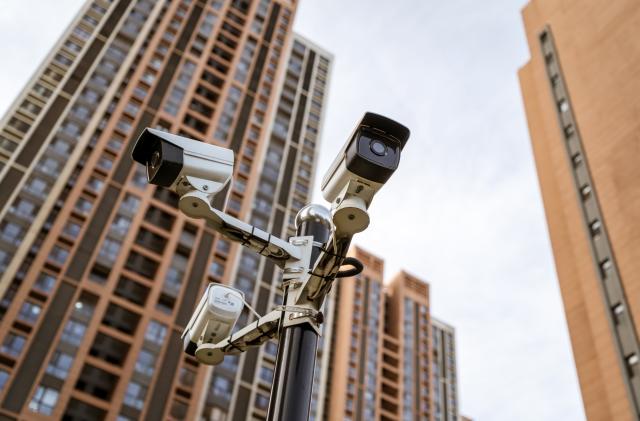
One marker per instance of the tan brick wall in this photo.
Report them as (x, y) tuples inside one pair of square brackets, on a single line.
[(598, 49)]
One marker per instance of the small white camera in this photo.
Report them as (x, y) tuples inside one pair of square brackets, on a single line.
[(365, 163), (183, 164), (214, 317)]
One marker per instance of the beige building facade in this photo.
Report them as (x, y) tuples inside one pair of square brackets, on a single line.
[(383, 364), (581, 93)]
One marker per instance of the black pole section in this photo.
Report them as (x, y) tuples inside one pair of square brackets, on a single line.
[(297, 346)]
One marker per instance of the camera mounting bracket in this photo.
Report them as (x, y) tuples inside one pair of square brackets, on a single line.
[(307, 283), (197, 204), (307, 288)]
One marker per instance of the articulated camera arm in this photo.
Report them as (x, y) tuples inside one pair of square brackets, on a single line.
[(307, 289), (197, 204)]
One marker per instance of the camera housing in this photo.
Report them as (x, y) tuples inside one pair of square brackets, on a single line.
[(214, 317), (182, 164), (365, 163)]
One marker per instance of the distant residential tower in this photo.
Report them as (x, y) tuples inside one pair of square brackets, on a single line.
[(389, 360)]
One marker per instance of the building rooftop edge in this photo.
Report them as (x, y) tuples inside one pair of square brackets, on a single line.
[(314, 45), (442, 325)]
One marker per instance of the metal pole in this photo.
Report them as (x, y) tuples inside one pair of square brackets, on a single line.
[(297, 345)]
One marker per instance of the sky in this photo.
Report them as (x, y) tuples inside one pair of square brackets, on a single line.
[(463, 211)]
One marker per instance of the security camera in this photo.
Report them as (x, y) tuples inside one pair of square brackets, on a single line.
[(214, 317), (183, 164), (365, 163)]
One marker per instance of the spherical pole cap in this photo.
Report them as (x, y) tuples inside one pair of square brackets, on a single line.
[(314, 213)]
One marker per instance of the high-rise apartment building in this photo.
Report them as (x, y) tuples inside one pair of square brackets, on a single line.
[(386, 354), (408, 321), (582, 95), (445, 376), (99, 272), (240, 386), (357, 334)]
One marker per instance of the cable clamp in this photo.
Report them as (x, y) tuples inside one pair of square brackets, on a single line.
[(293, 283), (296, 312)]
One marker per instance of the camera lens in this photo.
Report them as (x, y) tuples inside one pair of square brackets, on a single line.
[(155, 160), (378, 147)]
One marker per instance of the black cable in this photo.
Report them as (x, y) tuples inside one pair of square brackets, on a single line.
[(351, 261)]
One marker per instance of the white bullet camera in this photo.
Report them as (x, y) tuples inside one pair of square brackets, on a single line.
[(365, 163), (214, 317), (183, 164)]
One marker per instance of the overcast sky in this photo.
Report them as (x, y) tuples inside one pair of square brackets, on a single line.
[(463, 211)]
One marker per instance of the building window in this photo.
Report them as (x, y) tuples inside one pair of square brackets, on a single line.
[(135, 395), (12, 233), (221, 388), (350, 405), (29, 312), (44, 400), (140, 177), (73, 332), (155, 332), (45, 282), (124, 125), (115, 143), (37, 187), (130, 203), (262, 402), (179, 410), (71, 128), (239, 184), (228, 112), (4, 260), (173, 279), (72, 229), (81, 33), (145, 363), (244, 63), (109, 250), (266, 374), (58, 255), (95, 184), (223, 246), (120, 224), (187, 377), (49, 166), (60, 59), (271, 348), (234, 205), (60, 365), (140, 92), (83, 206), (245, 284), (4, 376), (105, 163), (216, 269), (180, 88), (23, 208), (13, 344)]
